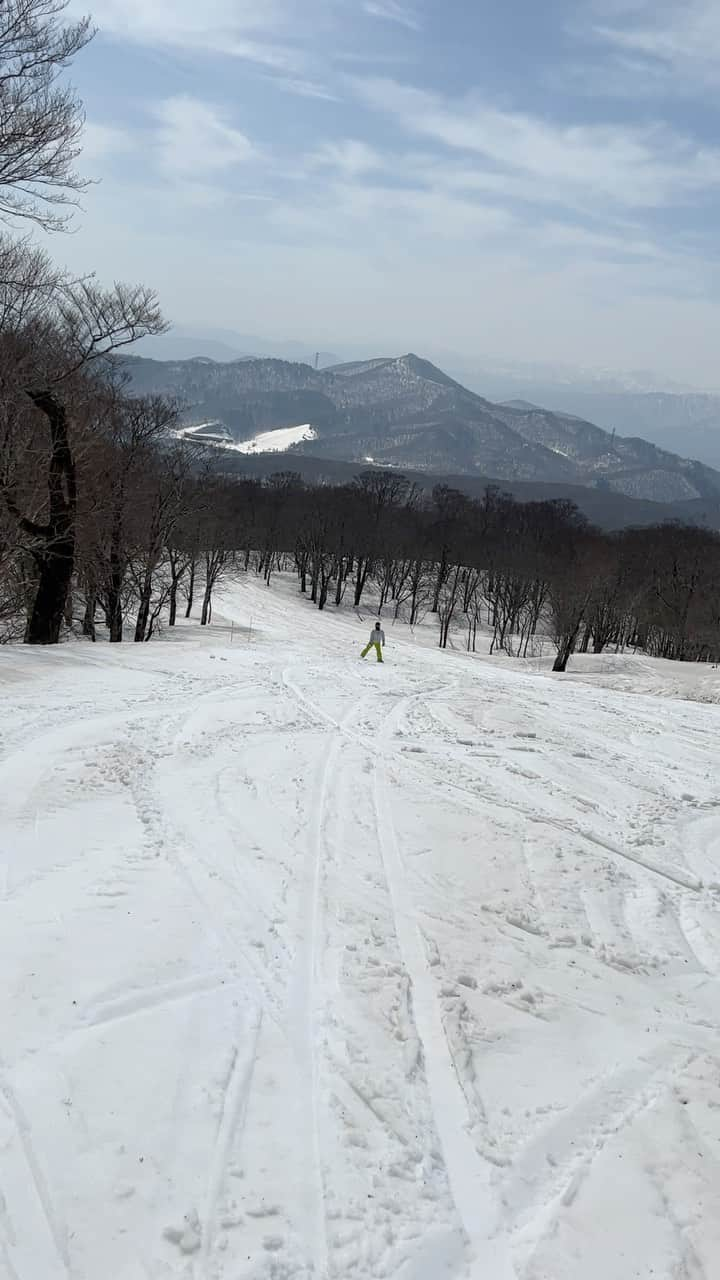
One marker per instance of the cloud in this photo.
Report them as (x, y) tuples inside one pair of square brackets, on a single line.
[(647, 166), (393, 11), (680, 38), (349, 157), (244, 29), (447, 198), (196, 140), (343, 211), (102, 141), (305, 88)]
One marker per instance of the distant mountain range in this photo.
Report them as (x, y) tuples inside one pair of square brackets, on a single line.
[(405, 412), (686, 423), (182, 342)]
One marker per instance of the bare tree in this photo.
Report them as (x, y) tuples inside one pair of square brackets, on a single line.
[(163, 495), (41, 120), (48, 358)]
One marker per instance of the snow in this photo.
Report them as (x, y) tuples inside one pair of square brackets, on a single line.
[(320, 969), (277, 441)]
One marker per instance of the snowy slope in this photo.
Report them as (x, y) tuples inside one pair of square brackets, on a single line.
[(277, 441), (319, 969)]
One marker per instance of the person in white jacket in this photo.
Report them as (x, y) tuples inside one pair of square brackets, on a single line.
[(377, 638)]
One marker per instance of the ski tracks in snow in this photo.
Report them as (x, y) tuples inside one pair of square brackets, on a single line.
[(468, 1174), (30, 1225), (234, 1106), (546, 1177), (307, 994), (336, 1014)]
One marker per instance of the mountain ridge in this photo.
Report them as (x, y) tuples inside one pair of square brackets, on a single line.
[(404, 411)]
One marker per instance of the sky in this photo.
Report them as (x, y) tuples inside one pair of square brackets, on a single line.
[(530, 180)]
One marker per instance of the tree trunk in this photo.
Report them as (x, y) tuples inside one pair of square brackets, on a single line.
[(363, 568), (172, 618), (566, 648), (115, 618), (144, 607), (563, 657), (88, 624), (206, 614), (55, 573), (441, 576), (114, 595), (55, 558), (191, 588)]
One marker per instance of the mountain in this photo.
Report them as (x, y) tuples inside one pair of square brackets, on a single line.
[(405, 412), (681, 420), (687, 423), (182, 342)]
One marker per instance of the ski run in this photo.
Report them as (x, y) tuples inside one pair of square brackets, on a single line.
[(315, 969)]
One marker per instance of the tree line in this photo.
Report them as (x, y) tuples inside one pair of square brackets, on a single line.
[(527, 571), (156, 527)]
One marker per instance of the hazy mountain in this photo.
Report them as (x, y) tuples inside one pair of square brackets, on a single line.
[(688, 424), (406, 412), (182, 342), (683, 421)]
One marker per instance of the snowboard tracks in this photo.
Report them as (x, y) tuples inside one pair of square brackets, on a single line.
[(547, 1176), (21, 1172), (306, 1000), (132, 1003), (469, 1176), (232, 1119)]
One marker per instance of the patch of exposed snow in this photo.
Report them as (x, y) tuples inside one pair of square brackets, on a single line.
[(197, 427), (277, 441)]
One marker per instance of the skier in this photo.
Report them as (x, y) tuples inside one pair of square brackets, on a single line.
[(377, 638)]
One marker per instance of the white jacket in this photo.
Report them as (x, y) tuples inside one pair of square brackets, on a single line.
[(377, 637)]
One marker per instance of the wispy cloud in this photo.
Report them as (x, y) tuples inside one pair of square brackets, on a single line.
[(350, 158), (680, 38), (393, 11), (305, 88), (446, 197), (647, 166), (101, 141), (195, 139), (243, 29)]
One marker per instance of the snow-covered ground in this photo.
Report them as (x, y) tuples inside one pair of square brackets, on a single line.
[(316, 969), (277, 441)]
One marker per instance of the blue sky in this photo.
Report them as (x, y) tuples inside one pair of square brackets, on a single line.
[(527, 179)]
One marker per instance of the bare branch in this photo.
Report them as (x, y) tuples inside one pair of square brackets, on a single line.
[(40, 121)]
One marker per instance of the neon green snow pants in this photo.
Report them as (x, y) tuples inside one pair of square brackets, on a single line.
[(376, 647)]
